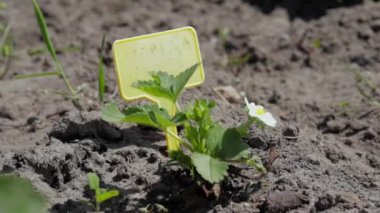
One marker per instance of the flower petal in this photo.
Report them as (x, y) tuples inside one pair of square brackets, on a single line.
[(268, 119)]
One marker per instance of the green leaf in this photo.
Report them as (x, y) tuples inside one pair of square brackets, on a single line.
[(211, 169), (182, 79), (233, 148), (19, 195), (105, 195), (197, 131), (155, 87), (111, 113), (179, 118), (165, 85), (214, 140), (101, 78), (147, 115), (44, 30), (42, 50), (226, 144), (38, 75), (93, 181)]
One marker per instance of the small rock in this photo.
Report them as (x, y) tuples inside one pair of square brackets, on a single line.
[(8, 112), (229, 93), (335, 126), (32, 120), (359, 125), (349, 197), (284, 201)]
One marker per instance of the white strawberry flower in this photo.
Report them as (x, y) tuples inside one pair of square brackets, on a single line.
[(257, 111)]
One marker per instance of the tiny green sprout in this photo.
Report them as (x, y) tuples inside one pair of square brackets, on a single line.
[(207, 148), (101, 194)]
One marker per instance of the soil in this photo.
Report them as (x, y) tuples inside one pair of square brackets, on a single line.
[(324, 156)]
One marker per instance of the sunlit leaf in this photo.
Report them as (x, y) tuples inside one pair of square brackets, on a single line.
[(147, 115), (165, 85), (93, 181), (211, 169), (38, 75), (44, 30), (105, 195)]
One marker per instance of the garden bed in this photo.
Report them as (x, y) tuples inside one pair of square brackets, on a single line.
[(323, 155)]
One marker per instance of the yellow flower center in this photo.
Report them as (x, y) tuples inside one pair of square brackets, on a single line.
[(260, 111)]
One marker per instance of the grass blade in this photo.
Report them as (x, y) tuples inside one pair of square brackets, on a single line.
[(44, 30), (6, 47), (5, 35), (101, 78), (38, 75), (42, 50)]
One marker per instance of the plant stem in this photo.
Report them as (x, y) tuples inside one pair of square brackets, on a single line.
[(180, 140), (74, 94), (6, 68), (97, 207), (67, 82)]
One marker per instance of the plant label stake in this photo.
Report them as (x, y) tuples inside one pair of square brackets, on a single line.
[(170, 51)]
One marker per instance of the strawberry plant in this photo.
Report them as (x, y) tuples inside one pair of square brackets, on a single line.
[(207, 148)]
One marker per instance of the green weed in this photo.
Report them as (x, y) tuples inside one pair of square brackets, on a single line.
[(59, 71), (101, 194), (101, 77)]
